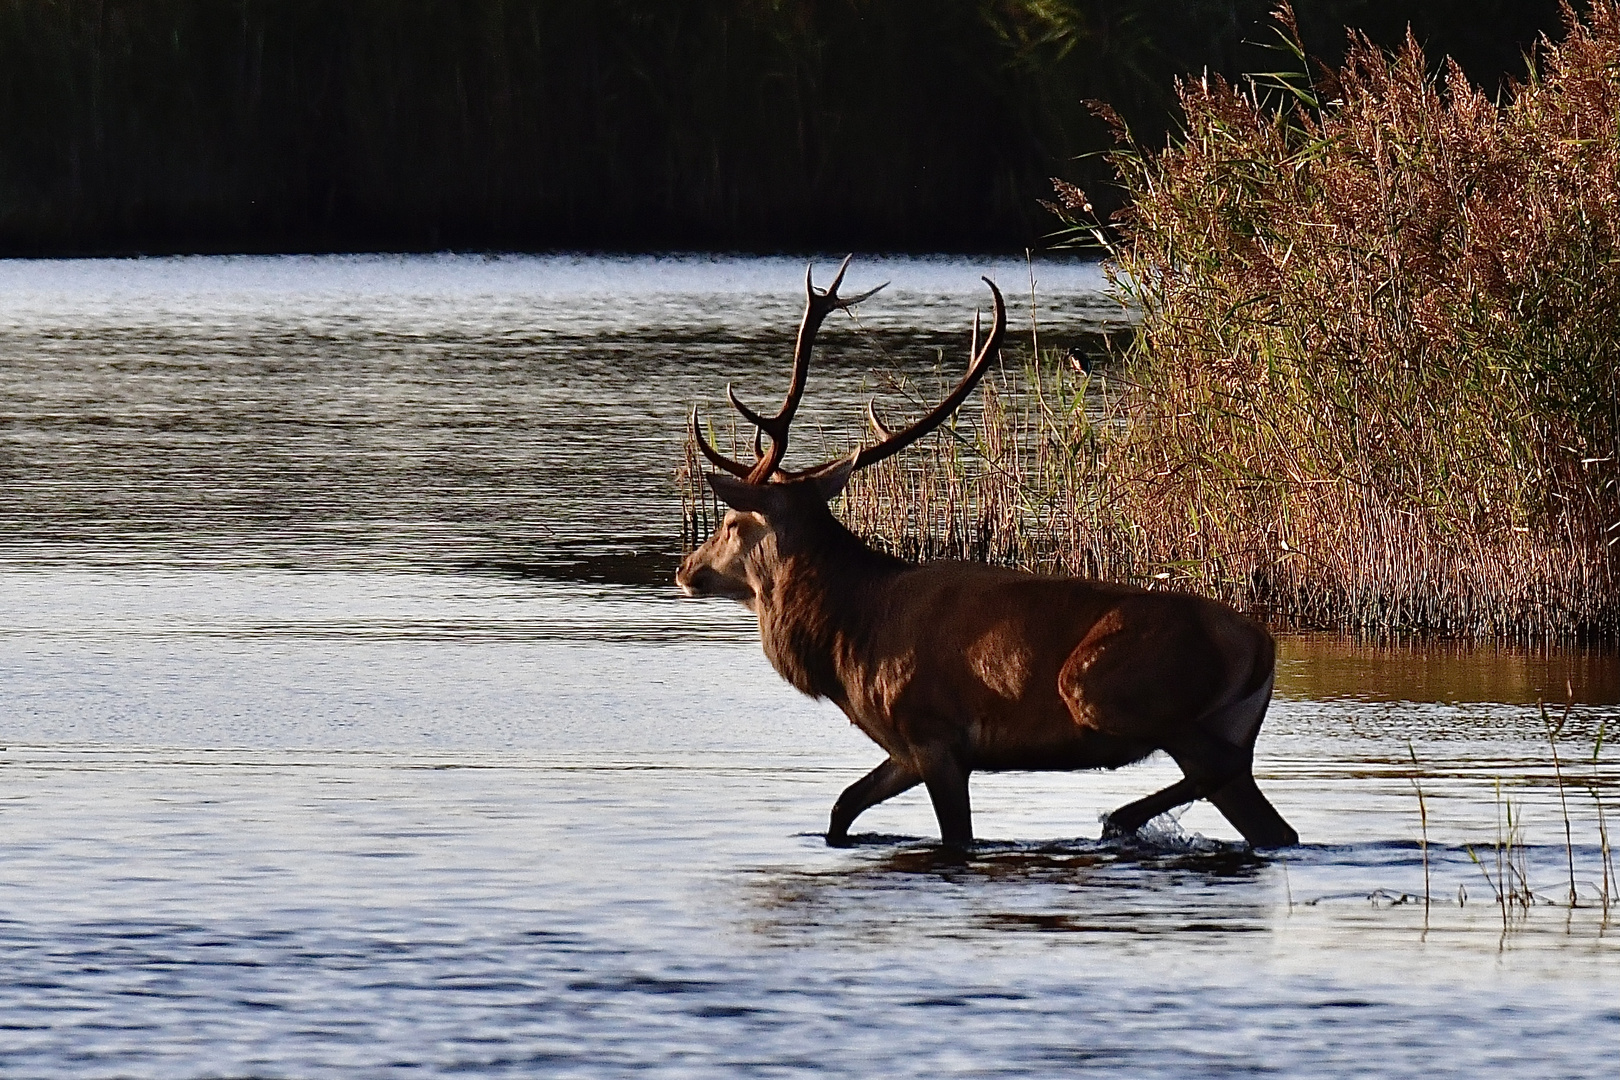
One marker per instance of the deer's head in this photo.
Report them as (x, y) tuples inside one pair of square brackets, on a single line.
[(772, 509)]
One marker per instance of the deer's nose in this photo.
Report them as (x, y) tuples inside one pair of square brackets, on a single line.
[(692, 581), (690, 577)]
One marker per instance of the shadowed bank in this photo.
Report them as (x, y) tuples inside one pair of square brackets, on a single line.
[(196, 126)]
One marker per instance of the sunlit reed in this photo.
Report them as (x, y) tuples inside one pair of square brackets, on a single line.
[(1374, 386)]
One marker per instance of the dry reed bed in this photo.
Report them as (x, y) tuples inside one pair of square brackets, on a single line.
[(1374, 386)]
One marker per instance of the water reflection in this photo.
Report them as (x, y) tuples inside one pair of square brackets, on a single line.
[(1321, 667), (1166, 882)]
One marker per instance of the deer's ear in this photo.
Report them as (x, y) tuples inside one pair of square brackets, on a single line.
[(741, 495), (831, 480)]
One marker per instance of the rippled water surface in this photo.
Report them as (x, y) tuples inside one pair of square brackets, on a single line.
[(351, 728)]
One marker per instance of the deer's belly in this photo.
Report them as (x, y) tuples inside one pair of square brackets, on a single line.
[(1055, 745)]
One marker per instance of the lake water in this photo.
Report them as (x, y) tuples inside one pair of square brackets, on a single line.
[(352, 727)]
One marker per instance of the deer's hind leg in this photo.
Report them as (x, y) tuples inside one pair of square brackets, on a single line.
[(1223, 774), (1196, 710), (1132, 816), (1234, 729), (884, 782), (1216, 756), (1242, 803)]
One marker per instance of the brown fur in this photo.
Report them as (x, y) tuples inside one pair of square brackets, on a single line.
[(957, 667)]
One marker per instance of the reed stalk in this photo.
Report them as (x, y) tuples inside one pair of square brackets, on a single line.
[(1510, 886), (1563, 801), (1423, 825), (1606, 866)]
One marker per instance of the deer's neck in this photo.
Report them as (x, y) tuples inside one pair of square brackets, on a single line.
[(818, 609)]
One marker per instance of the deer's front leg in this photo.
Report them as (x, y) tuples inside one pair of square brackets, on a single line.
[(884, 782), (947, 779)]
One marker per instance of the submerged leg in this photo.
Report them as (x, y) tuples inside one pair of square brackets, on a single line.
[(1223, 774), (884, 782), (947, 781), (1132, 816), (1238, 798), (1241, 802)]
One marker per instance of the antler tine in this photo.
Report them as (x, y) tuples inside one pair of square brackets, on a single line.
[(831, 297), (735, 468), (895, 441), (818, 304), (838, 278), (747, 414), (883, 430)]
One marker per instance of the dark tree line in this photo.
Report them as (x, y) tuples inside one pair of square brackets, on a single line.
[(274, 125)]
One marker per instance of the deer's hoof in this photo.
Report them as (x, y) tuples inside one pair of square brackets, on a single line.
[(1113, 830)]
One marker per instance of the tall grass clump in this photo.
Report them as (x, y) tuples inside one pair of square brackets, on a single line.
[(1373, 385), (1377, 362)]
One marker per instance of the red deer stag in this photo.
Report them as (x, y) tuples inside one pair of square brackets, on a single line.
[(952, 667)]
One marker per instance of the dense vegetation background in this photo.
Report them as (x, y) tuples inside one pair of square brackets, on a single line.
[(252, 125), (1375, 381)]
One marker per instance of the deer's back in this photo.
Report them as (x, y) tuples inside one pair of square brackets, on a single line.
[(1031, 671)]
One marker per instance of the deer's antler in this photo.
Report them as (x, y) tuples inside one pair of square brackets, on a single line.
[(818, 304), (891, 442), (719, 460)]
